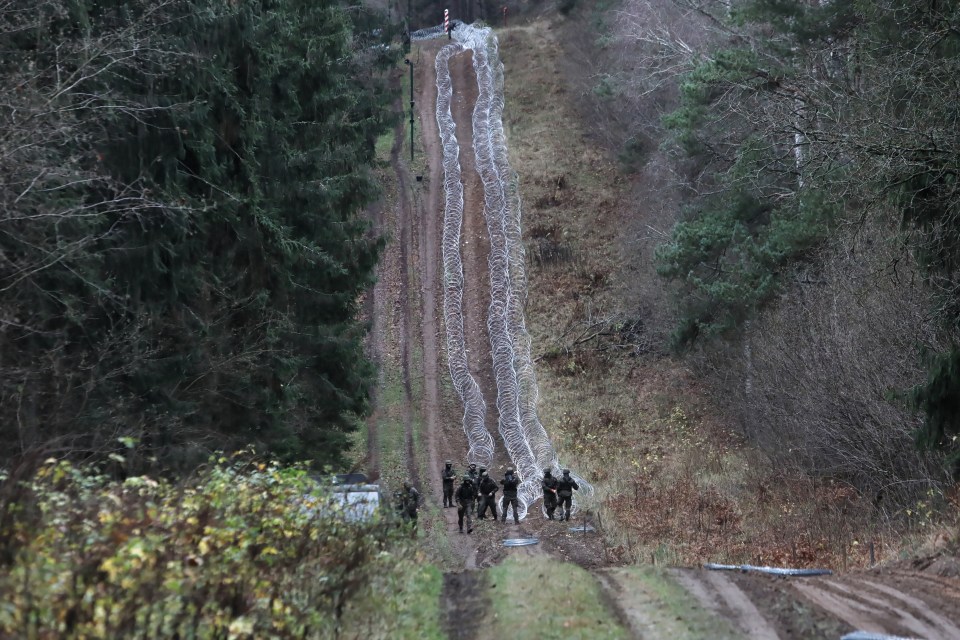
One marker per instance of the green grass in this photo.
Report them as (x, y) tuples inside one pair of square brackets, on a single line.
[(412, 609), (540, 598), (384, 145), (419, 615)]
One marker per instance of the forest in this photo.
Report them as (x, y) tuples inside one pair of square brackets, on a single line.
[(743, 254), (808, 230), (182, 254)]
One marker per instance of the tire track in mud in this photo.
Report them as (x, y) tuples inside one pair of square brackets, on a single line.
[(901, 604), (718, 594), (465, 603), (475, 243), (377, 304), (442, 440)]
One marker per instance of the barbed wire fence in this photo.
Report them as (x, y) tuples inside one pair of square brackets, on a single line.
[(529, 392), (524, 436)]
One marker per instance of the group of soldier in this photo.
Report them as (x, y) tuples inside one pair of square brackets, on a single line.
[(478, 492)]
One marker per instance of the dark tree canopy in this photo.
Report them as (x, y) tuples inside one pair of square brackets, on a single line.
[(181, 250)]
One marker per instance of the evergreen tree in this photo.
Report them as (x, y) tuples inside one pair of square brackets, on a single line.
[(212, 297)]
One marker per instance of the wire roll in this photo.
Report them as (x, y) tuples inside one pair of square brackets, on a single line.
[(524, 436), (480, 443), (777, 571)]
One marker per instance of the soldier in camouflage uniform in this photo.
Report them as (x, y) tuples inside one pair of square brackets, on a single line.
[(449, 476), (549, 486), (466, 499), (476, 483), (488, 496), (411, 503), (566, 486), (510, 484)]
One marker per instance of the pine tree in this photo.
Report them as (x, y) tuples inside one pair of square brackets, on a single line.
[(215, 302)]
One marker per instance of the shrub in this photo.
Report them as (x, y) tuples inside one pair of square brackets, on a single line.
[(241, 550)]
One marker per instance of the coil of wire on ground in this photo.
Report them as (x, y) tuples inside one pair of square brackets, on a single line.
[(479, 441), (776, 571), (526, 377), (524, 436), (498, 327)]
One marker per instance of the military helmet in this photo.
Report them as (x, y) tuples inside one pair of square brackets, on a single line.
[(407, 485), (466, 478), (473, 465), (547, 472), (448, 462), (566, 472), (509, 469)]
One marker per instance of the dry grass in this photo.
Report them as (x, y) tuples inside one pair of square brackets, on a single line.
[(674, 484)]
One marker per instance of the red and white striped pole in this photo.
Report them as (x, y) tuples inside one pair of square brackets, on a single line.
[(446, 22)]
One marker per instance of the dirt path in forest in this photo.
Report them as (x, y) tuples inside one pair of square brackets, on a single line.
[(405, 216), (443, 433)]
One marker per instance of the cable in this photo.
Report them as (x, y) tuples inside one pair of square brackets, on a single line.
[(777, 571)]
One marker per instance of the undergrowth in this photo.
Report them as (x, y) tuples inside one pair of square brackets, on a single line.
[(242, 549)]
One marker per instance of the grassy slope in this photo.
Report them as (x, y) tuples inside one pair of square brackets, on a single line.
[(673, 480)]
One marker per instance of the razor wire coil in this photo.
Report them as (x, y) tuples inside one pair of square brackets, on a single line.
[(479, 441), (524, 437)]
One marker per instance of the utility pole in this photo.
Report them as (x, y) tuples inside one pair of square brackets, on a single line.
[(410, 64)]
